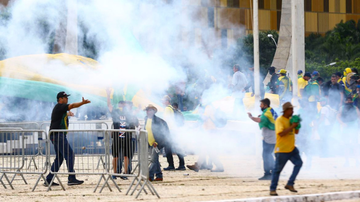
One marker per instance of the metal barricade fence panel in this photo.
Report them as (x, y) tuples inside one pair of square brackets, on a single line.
[(80, 125), (81, 144), (124, 152), (23, 125), (19, 153)]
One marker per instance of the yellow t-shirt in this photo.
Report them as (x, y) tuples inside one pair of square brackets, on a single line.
[(301, 85), (286, 143), (169, 117), (151, 138)]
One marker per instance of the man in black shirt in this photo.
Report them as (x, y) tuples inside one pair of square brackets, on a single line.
[(59, 120), (334, 92), (273, 80), (122, 146)]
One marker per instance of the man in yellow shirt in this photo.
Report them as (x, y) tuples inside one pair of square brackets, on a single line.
[(302, 82), (157, 130), (285, 149)]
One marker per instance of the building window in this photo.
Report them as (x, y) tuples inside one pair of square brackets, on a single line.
[(348, 6), (261, 4), (233, 3), (278, 4), (326, 6), (308, 5)]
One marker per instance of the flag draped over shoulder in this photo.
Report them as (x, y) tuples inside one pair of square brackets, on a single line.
[(267, 118)]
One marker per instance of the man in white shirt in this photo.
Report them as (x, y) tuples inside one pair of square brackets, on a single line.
[(238, 84)]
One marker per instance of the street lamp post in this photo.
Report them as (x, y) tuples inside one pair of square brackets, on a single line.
[(272, 37)]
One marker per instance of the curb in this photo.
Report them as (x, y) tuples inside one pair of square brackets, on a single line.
[(302, 198)]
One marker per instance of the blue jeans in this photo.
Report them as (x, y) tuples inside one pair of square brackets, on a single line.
[(155, 167), (268, 158), (280, 162), (62, 150)]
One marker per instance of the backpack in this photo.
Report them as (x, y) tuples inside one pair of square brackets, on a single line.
[(179, 117)]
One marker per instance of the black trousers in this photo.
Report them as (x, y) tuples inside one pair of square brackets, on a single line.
[(170, 159)]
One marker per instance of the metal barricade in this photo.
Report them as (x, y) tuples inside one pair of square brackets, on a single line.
[(86, 125), (23, 125), (142, 179), (81, 145), (16, 146)]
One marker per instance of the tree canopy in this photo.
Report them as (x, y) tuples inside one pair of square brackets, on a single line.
[(336, 50)]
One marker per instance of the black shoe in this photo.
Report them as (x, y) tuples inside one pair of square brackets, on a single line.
[(181, 168), (265, 177), (46, 184), (75, 182), (170, 168)]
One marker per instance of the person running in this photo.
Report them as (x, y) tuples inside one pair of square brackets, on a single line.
[(267, 124), (285, 149), (59, 120)]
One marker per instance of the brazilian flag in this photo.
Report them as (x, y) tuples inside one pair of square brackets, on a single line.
[(267, 118)]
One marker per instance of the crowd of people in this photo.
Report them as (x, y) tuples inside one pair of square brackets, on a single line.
[(338, 112)]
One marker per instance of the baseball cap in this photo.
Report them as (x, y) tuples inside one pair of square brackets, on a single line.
[(62, 94), (315, 73), (282, 71), (307, 74), (287, 105), (300, 72)]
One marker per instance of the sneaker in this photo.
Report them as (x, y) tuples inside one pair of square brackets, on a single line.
[(273, 193), (150, 179), (113, 177), (46, 184), (181, 168), (75, 182), (170, 168), (265, 177), (193, 167), (290, 188), (158, 179), (123, 178)]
